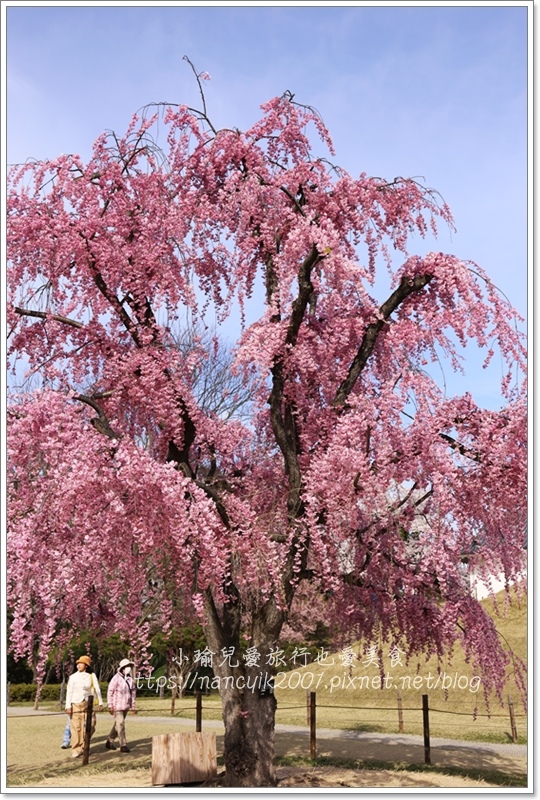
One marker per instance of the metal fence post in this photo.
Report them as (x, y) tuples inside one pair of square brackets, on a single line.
[(9, 693), (425, 713)]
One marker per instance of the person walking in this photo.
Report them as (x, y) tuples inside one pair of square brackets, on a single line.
[(81, 685), (121, 695)]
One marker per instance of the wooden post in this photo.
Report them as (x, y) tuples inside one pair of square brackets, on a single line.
[(88, 729), (400, 713), (198, 712), (9, 692), (312, 725), (512, 720), (308, 711), (62, 694), (173, 699), (427, 746)]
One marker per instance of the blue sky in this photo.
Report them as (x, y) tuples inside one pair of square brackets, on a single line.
[(434, 91)]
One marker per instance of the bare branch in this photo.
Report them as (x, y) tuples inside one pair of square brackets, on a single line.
[(26, 312), (198, 79)]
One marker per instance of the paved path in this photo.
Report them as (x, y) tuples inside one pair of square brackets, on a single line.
[(408, 739)]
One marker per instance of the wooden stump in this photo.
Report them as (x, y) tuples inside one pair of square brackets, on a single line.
[(183, 758)]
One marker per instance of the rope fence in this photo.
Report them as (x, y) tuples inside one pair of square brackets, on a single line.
[(312, 706)]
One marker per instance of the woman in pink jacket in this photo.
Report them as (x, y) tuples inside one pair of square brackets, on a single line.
[(120, 699)]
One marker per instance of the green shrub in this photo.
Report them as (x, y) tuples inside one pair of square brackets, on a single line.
[(50, 692), (18, 692)]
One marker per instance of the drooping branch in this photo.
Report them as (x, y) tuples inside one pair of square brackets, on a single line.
[(198, 75), (406, 287), (180, 456), (474, 455)]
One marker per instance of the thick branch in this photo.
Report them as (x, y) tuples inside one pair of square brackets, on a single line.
[(114, 301), (285, 433), (109, 295), (297, 204), (214, 495), (214, 628), (181, 456), (281, 412), (460, 448), (100, 423), (407, 287), (26, 312), (272, 286), (305, 290)]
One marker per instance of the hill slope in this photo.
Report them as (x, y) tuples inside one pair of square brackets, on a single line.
[(362, 691)]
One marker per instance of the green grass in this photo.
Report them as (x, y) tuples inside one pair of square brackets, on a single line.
[(376, 719)]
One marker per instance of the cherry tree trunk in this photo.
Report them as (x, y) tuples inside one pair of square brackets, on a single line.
[(247, 694), (249, 718)]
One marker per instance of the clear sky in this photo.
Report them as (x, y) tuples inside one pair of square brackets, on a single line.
[(437, 91)]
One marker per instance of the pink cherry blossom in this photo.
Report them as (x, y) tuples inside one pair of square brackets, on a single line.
[(355, 488)]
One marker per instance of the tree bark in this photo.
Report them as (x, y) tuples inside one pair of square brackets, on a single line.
[(249, 718), (247, 695)]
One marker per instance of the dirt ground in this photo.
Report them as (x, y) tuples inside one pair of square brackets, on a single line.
[(289, 777)]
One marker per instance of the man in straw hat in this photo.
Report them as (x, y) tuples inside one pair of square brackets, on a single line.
[(81, 685), (120, 699)]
